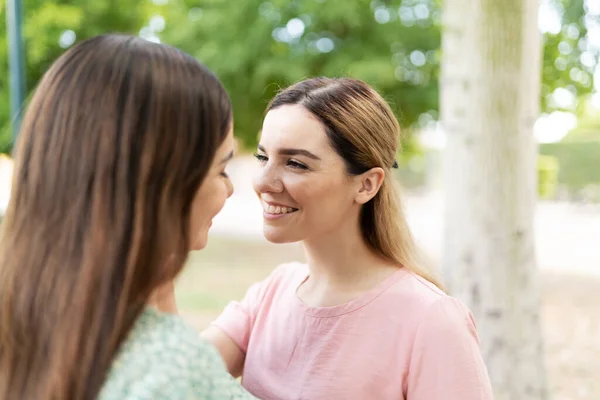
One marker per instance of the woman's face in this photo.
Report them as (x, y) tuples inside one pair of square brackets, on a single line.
[(303, 185), (211, 195)]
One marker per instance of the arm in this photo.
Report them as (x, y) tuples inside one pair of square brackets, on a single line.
[(222, 385), (233, 356), (231, 332), (446, 361)]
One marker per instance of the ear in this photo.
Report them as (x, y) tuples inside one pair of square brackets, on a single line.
[(370, 182)]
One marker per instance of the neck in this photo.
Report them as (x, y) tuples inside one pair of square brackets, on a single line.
[(342, 258)]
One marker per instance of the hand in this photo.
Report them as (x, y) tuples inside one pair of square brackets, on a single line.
[(163, 298)]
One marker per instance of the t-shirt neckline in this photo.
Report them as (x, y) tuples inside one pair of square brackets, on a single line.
[(350, 306)]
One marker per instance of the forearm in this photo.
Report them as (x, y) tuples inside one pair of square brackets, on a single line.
[(231, 354)]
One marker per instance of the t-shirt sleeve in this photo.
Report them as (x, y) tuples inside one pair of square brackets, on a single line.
[(238, 317), (446, 361)]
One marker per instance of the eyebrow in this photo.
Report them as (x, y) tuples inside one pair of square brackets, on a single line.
[(227, 157), (292, 152)]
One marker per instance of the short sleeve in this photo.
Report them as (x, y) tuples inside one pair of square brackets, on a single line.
[(238, 318), (446, 361)]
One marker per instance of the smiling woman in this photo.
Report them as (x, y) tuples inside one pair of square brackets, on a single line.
[(362, 319)]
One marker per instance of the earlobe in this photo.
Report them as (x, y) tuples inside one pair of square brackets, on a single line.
[(371, 182)]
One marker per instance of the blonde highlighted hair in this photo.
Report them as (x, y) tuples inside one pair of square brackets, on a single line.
[(362, 129)]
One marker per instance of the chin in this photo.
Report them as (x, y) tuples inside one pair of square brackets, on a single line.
[(279, 236), (198, 247), (200, 243)]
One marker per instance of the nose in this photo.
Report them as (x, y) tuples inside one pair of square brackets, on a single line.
[(267, 180)]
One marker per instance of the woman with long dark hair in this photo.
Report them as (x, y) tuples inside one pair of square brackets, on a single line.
[(119, 170)]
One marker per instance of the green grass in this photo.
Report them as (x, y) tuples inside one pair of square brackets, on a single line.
[(578, 162)]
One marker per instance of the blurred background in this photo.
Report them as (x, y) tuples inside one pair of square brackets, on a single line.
[(257, 47)]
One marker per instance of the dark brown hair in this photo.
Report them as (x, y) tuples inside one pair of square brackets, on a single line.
[(363, 130), (114, 145)]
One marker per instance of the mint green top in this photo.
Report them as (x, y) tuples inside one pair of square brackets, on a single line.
[(164, 358)]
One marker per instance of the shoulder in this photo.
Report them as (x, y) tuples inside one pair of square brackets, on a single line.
[(426, 306), (416, 292), (443, 333), (163, 353), (161, 346)]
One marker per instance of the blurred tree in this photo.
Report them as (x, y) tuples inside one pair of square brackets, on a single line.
[(52, 26), (257, 46), (489, 104)]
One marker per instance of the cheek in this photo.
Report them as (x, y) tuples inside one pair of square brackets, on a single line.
[(207, 204), (204, 205), (319, 194), (196, 215), (215, 199)]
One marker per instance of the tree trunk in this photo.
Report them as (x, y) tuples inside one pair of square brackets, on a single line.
[(489, 103)]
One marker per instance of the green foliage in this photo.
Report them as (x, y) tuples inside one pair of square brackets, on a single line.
[(587, 130), (548, 168), (248, 46), (579, 163), (44, 24), (563, 55), (258, 46), (381, 42)]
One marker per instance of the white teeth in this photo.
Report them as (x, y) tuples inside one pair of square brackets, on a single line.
[(276, 209)]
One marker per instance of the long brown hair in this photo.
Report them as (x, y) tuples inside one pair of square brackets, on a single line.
[(362, 129), (114, 145)]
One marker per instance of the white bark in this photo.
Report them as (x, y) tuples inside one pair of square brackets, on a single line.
[(489, 103)]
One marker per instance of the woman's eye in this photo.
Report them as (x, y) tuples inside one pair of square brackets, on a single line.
[(260, 157), (291, 163), (224, 174), (296, 164)]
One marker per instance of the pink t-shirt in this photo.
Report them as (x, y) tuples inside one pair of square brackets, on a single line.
[(404, 339)]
